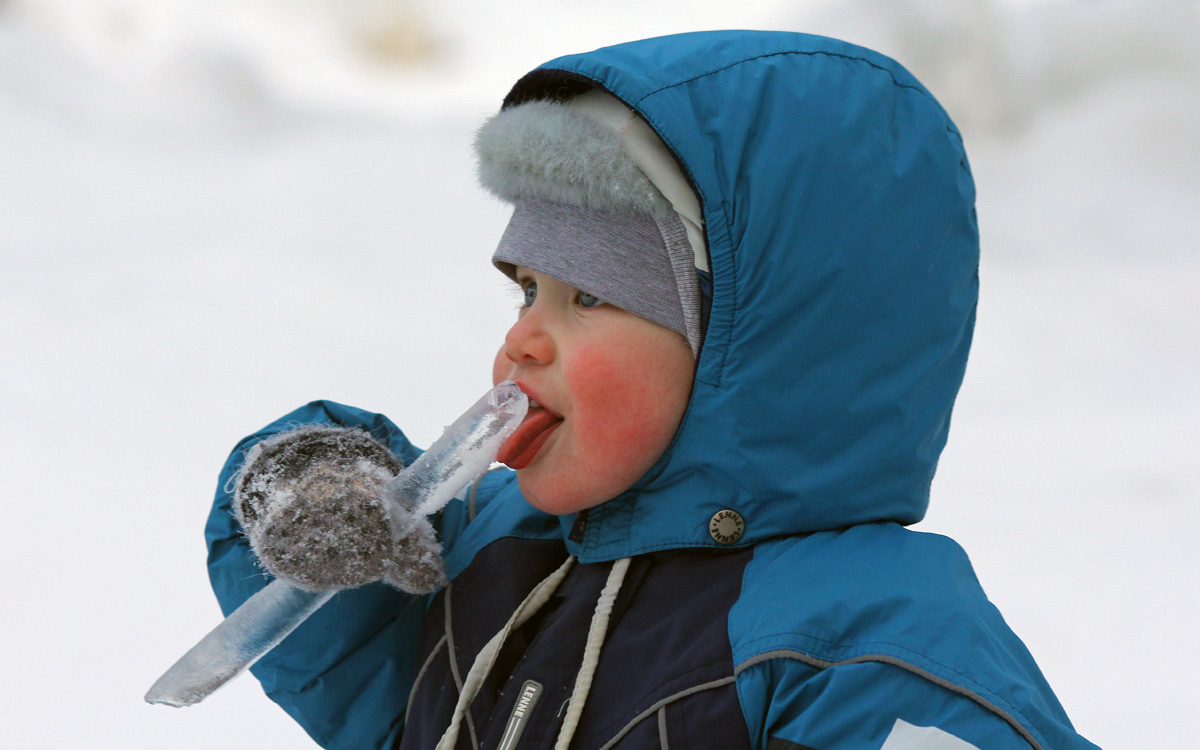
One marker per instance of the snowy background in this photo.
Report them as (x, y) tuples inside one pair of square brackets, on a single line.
[(212, 211)]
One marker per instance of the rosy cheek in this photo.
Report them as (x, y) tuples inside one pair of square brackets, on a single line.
[(595, 379), (614, 403)]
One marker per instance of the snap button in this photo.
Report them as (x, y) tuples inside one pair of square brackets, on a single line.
[(726, 526)]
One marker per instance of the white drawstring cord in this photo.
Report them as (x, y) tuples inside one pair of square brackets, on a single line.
[(487, 655), (591, 652)]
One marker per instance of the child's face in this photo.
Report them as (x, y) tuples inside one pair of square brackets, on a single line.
[(611, 389)]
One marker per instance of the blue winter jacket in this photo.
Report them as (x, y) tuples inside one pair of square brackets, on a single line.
[(774, 600)]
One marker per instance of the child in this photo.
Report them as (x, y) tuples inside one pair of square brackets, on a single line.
[(749, 268)]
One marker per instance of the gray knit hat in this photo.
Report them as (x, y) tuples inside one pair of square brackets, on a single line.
[(586, 213)]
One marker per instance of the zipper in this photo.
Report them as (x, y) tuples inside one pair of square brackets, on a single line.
[(579, 528), (526, 700)]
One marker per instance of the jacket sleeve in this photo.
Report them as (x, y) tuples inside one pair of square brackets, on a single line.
[(793, 705), (345, 673)]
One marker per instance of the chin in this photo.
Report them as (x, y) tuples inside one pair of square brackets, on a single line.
[(557, 501)]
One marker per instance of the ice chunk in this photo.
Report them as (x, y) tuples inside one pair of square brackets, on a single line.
[(241, 639), (466, 449)]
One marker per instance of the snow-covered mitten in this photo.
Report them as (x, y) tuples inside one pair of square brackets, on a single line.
[(311, 503)]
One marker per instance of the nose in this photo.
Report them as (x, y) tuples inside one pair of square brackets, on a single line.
[(529, 342)]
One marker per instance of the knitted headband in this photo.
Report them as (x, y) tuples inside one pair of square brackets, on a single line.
[(585, 211)]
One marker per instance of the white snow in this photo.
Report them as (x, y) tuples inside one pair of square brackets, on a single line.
[(213, 212)]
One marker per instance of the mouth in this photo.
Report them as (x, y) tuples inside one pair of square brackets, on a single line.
[(522, 446)]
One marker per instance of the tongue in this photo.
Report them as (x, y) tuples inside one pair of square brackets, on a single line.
[(535, 425)]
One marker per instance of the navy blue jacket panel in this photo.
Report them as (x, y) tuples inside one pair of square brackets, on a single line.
[(664, 651)]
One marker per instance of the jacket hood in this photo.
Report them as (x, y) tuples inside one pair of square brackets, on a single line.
[(838, 211)]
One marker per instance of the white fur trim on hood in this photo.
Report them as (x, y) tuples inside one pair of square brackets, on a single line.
[(544, 150), (590, 151)]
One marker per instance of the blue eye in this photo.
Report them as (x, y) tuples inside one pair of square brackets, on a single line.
[(530, 290), (587, 300)]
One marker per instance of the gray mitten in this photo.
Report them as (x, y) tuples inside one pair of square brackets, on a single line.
[(311, 503)]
